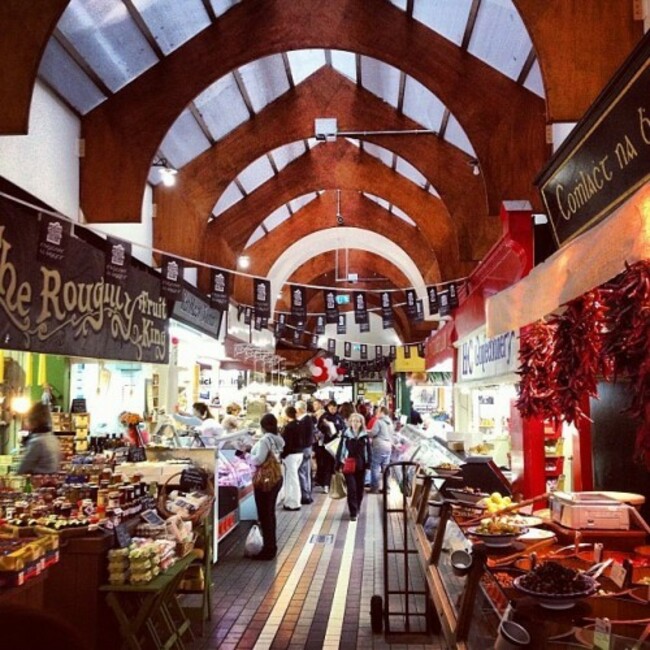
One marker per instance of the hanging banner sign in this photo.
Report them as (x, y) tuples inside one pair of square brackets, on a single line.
[(331, 306), (280, 325), (220, 295), (194, 310), (453, 295), (444, 308), (72, 309), (360, 307), (53, 239), (313, 342), (297, 336), (258, 322), (411, 297), (421, 349), (341, 324), (479, 357), (298, 303), (379, 351), (606, 157), (364, 351), (320, 324), (432, 294), (419, 311), (392, 352), (171, 278), (364, 327), (262, 302), (118, 261), (248, 315), (407, 351), (331, 346), (347, 349)]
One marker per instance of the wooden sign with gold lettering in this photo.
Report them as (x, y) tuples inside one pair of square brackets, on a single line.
[(71, 307), (607, 155)]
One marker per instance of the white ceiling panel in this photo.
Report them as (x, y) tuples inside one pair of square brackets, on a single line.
[(447, 17), (421, 105), (400, 4), (256, 236), (408, 171), (500, 37), (345, 63), (184, 141), (304, 63), (380, 79), (265, 80), (277, 217), (534, 81), (378, 200), (434, 191), (257, 173), (457, 136), (379, 152), (222, 106), (403, 216), (68, 79), (230, 196), (283, 156), (108, 39), (173, 22), (312, 142)]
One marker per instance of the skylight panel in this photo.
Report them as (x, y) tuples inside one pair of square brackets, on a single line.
[(457, 136), (265, 80), (105, 35), (421, 105), (500, 37), (411, 173), (301, 201), (380, 79), (446, 17), (277, 217), (379, 152), (184, 141), (345, 63), (222, 107), (403, 216), (257, 173), (256, 236), (173, 22), (230, 196), (61, 72), (304, 63), (534, 81), (285, 155)]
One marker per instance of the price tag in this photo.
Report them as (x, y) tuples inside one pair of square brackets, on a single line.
[(193, 479), (618, 574), (602, 634)]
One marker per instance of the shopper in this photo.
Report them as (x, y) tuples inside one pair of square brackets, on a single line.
[(382, 436), (307, 438), (43, 452), (203, 422), (269, 443), (292, 456), (330, 426), (354, 445), (230, 421)]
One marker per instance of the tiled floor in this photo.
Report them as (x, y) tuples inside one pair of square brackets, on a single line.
[(316, 593)]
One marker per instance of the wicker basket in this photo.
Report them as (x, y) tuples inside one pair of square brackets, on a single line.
[(199, 514)]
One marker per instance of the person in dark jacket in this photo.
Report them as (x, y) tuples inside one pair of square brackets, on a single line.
[(292, 456), (355, 444), (307, 436), (330, 426)]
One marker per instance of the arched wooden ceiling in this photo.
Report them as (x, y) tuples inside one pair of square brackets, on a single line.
[(579, 46)]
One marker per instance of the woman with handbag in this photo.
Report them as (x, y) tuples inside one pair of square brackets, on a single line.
[(267, 482), (353, 458)]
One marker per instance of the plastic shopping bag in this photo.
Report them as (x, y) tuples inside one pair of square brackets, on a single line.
[(254, 541), (333, 446), (338, 488)]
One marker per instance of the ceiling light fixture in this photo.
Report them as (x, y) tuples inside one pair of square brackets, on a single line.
[(167, 171), (476, 169), (243, 262)]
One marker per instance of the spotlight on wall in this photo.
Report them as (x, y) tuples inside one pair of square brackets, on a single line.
[(476, 169), (167, 171), (243, 261)]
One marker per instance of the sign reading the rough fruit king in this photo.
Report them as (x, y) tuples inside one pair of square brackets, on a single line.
[(606, 158), (71, 308), (480, 357)]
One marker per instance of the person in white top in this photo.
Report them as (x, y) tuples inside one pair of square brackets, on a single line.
[(203, 421)]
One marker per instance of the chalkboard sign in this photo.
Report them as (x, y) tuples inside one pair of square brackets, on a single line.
[(122, 536), (78, 405), (152, 517), (193, 479), (137, 454)]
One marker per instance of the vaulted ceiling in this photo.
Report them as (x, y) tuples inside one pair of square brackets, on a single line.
[(228, 92)]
